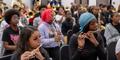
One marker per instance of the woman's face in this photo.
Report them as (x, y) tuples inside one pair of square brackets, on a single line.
[(61, 11), (93, 25), (34, 40), (95, 10), (116, 18), (14, 20), (22, 11)]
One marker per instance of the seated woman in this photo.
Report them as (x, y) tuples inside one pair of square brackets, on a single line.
[(29, 46), (88, 44)]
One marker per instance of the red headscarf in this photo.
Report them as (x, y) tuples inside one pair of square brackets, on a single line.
[(47, 15)]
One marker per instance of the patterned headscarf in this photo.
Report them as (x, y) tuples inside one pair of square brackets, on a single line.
[(47, 15)]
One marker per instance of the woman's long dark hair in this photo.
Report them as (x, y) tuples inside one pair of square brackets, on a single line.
[(119, 9), (23, 45), (86, 28)]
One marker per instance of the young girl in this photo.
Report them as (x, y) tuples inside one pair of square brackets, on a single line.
[(11, 34), (87, 45), (29, 46)]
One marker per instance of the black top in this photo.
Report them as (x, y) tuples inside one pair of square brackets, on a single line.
[(66, 26), (106, 18), (37, 14), (10, 36), (42, 50), (89, 52)]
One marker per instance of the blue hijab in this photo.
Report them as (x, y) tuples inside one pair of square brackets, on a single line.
[(84, 19)]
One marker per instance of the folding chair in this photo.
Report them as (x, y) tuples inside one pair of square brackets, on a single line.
[(111, 51), (65, 52), (7, 57)]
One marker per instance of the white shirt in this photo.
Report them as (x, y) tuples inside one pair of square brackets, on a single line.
[(46, 34), (37, 21), (117, 49), (3, 26), (59, 17)]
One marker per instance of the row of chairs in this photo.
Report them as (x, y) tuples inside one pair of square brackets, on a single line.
[(64, 54), (7, 57)]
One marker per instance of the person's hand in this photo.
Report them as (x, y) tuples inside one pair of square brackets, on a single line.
[(38, 54), (26, 55), (81, 40), (92, 38), (63, 13), (57, 36)]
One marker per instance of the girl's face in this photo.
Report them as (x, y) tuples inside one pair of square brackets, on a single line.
[(34, 40), (14, 20), (93, 25)]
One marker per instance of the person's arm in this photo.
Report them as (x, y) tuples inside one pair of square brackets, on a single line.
[(26, 55), (38, 54), (5, 39), (118, 56), (47, 41), (77, 52), (60, 32), (91, 37), (44, 38), (9, 47), (73, 43)]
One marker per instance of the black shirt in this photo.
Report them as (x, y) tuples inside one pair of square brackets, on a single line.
[(10, 36), (89, 52), (66, 26)]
